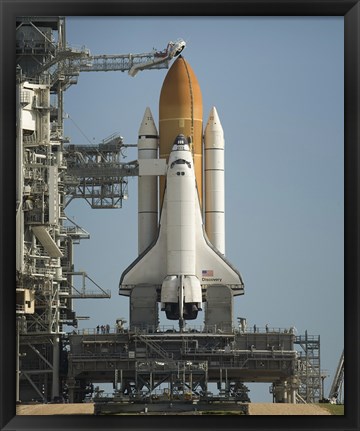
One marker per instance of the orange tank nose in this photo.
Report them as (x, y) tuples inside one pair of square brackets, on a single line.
[(181, 112)]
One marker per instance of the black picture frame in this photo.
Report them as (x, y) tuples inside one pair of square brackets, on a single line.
[(350, 10)]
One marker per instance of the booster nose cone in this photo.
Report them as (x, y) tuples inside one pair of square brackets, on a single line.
[(180, 112), (147, 126), (213, 125)]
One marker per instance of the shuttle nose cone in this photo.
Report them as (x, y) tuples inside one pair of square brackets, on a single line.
[(181, 143)]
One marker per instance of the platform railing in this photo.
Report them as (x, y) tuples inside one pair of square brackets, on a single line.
[(195, 329)]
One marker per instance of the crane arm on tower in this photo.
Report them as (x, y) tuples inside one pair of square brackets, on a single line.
[(130, 62), (66, 64)]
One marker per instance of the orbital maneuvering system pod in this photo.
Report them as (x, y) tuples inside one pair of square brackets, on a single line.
[(181, 261)]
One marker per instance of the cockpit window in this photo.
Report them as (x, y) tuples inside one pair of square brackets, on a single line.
[(180, 162)]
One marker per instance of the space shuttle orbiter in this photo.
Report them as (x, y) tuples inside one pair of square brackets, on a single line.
[(182, 263)]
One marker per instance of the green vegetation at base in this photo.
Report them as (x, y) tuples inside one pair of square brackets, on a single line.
[(334, 409)]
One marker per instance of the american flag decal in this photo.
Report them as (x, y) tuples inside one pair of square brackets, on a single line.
[(207, 273)]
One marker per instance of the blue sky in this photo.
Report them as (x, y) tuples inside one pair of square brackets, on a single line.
[(277, 84)]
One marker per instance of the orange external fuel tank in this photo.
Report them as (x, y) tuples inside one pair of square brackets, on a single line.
[(181, 111)]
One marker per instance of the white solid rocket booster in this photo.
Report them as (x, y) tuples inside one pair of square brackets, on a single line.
[(147, 185), (214, 181)]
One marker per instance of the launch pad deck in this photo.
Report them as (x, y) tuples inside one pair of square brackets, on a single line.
[(138, 363)]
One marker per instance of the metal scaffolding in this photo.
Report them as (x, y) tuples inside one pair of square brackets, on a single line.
[(45, 237), (98, 174), (308, 366)]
